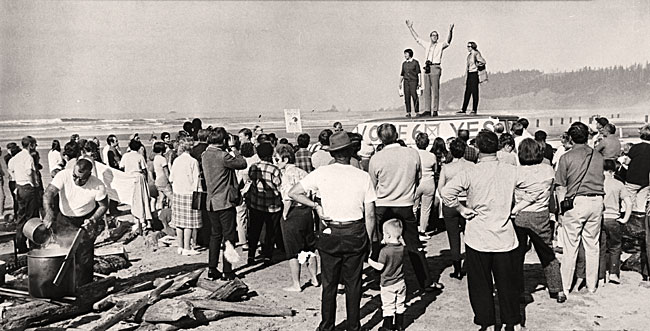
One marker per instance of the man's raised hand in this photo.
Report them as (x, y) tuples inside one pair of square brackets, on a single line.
[(451, 27)]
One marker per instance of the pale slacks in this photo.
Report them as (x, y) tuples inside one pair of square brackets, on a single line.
[(640, 196), (432, 89), (424, 196), (582, 223), (393, 298)]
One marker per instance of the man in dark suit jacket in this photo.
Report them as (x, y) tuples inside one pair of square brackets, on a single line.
[(219, 165)]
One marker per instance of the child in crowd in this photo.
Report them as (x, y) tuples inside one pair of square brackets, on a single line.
[(615, 193), (393, 287)]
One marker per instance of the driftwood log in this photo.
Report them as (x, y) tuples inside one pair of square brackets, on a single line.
[(40, 312), (241, 308), (201, 317), (168, 310), (131, 309)]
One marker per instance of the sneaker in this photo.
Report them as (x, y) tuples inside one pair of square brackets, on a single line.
[(461, 112), (190, 252)]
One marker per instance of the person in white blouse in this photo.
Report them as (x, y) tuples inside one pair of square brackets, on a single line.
[(54, 158), (432, 70), (185, 180)]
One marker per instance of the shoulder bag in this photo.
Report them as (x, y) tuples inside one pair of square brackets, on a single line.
[(567, 203)]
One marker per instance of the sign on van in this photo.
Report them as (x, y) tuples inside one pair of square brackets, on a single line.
[(408, 129)]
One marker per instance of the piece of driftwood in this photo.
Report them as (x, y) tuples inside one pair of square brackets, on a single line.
[(168, 310), (123, 299), (189, 279), (230, 291), (147, 299), (241, 308), (40, 312), (140, 287), (201, 317)]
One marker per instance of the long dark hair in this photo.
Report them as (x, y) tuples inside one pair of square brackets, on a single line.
[(439, 149), (56, 145)]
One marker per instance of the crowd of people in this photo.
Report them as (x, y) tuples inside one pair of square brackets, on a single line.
[(324, 203)]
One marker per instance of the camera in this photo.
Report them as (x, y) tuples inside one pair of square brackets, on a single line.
[(566, 205), (427, 67)]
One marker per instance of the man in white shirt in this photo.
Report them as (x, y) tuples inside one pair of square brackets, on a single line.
[(82, 203), (432, 70), (348, 198), (28, 196)]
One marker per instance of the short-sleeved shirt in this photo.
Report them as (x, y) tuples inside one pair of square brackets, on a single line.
[(133, 162), (320, 158), (507, 157), (433, 51), (639, 168), (75, 200), (571, 167), (411, 70), (291, 175), (159, 165), (609, 147), (343, 189), (615, 192), (21, 167), (391, 257)]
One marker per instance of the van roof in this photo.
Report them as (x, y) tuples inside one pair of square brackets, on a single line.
[(443, 118)]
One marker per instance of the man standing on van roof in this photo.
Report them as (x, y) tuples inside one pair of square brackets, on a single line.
[(432, 69)]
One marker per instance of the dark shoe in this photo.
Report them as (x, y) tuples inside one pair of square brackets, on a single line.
[(472, 113), (229, 276), (408, 115), (387, 324), (267, 262), (250, 261), (457, 275), (434, 114), (461, 112), (214, 274), (561, 297), (434, 287)]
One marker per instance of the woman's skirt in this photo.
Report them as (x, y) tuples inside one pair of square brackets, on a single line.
[(183, 216), (298, 231)]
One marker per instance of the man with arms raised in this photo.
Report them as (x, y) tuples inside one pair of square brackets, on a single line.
[(432, 69), (82, 203)]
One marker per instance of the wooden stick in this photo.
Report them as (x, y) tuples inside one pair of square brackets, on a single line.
[(230, 291), (242, 308), (131, 309)]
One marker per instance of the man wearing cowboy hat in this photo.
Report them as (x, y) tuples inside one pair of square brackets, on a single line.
[(347, 199)]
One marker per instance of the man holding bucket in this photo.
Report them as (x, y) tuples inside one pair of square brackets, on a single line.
[(82, 202)]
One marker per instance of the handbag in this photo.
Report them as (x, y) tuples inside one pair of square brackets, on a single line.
[(199, 200), (567, 203)]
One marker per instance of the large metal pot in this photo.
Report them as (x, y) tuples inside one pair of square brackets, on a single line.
[(42, 267)]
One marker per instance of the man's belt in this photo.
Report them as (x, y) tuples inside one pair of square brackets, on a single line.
[(339, 224), (590, 195)]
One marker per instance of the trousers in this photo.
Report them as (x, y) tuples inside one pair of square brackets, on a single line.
[(455, 225), (29, 205), (536, 227), (342, 252), (432, 89), (222, 229), (581, 224), (424, 196), (393, 298), (482, 267), (257, 220), (471, 90), (411, 92)]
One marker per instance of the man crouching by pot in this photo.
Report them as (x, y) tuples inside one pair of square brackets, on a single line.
[(82, 202)]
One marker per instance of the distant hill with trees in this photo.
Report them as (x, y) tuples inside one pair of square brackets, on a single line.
[(533, 89)]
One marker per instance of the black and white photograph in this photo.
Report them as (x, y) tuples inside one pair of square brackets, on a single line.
[(324, 165)]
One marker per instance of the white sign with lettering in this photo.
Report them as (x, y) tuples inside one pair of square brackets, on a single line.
[(292, 120)]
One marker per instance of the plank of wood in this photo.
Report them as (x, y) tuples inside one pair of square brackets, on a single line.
[(131, 309), (242, 308), (168, 310), (186, 279)]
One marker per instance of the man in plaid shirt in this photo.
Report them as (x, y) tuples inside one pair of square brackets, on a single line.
[(471, 153), (264, 204), (303, 155)]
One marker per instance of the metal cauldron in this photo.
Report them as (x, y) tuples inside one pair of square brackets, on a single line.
[(42, 267), (35, 230)]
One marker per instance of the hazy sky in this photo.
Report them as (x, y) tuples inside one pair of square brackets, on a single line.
[(66, 58)]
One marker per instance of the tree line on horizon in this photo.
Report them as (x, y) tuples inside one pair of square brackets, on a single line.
[(533, 89)]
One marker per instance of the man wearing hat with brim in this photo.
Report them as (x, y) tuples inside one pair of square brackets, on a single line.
[(347, 215)]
